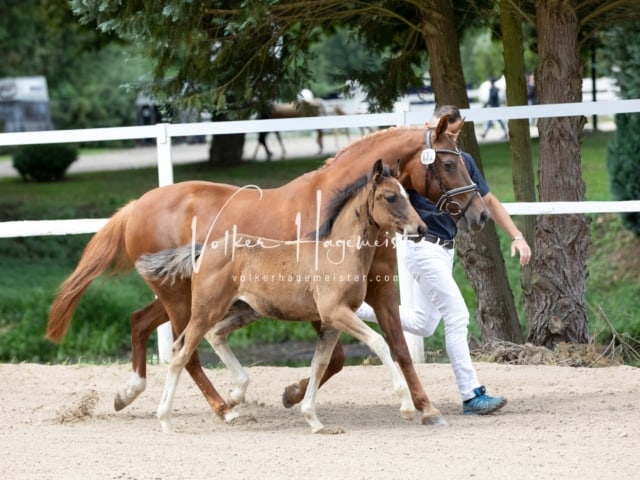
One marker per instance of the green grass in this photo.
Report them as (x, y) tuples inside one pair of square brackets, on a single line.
[(496, 162), (32, 268)]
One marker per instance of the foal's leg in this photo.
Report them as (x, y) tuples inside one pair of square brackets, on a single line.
[(238, 317), (295, 392), (143, 322), (177, 300), (345, 320), (185, 355), (182, 355), (327, 339)]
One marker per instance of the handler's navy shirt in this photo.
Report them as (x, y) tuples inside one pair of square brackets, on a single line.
[(444, 226)]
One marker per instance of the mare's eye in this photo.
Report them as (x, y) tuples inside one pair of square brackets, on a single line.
[(450, 165), (390, 197)]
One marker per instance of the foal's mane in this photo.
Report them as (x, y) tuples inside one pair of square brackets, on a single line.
[(338, 202)]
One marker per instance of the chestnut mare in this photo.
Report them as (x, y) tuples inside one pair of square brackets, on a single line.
[(320, 277), (164, 218)]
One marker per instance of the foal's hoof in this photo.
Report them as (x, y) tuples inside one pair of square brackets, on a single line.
[(408, 414), (118, 404), (291, 395), (435, 420)]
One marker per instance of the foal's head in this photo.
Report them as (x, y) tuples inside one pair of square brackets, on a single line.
[(380, 201), (445, 178), (388, 206)]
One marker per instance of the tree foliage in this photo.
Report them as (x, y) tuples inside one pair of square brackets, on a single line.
[(85, 70), (235, 57)]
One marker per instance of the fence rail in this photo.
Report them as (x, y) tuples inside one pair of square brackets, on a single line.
[(402, 116)]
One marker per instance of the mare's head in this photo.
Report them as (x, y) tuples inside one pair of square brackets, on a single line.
[(444, 179), (388, 206)]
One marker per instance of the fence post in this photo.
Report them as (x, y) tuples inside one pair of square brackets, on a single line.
[(165, 177), (415, 343), (401, 108)]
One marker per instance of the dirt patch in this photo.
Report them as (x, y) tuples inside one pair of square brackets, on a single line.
[(559, 422), (82, 409), (564, 354)]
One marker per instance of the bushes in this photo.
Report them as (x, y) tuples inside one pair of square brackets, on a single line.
[(44, 163), (624, 167), (622, 159)]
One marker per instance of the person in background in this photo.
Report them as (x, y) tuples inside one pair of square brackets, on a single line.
[(435, 292), (532, 98), (494, 101)]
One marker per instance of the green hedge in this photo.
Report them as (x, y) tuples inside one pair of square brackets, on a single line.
[(44, 163), (623, 162), (623, 165)]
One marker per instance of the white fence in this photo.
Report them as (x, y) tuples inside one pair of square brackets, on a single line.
[(402, 116)]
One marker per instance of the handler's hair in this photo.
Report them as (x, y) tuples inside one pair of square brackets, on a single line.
[(451, 110)]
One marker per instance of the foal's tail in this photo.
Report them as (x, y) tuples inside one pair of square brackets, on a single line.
[(106, 246), (169, 265)]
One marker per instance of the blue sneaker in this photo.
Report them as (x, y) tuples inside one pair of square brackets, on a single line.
[(482, 404)]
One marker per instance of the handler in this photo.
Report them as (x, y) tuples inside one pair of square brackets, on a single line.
[(436, 294)]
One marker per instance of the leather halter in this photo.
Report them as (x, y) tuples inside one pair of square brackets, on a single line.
[(446, 204)]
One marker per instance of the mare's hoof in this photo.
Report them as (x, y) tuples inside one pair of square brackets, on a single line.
[(290, 394), (119, 402), (435, 420)]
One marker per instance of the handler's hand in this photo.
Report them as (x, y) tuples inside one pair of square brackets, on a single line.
[(521, 246)]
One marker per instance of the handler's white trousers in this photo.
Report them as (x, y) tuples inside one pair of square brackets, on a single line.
[(436, 296)]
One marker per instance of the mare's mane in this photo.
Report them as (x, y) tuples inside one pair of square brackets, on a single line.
[(338, 202), (378, 133)]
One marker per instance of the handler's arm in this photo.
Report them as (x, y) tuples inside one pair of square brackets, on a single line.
[(500, 215)]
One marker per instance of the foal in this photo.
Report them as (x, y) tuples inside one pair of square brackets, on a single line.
[(324, 278)]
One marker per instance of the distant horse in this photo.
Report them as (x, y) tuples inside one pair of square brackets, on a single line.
[(297, 109), (321, 277), (167, 217)]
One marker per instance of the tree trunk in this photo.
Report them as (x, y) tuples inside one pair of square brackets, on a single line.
[(226, 149), (556, 307), (479, 252), (520, 137)]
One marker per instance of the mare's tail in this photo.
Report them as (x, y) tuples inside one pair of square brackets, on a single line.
[(168, 265), (106, 246)]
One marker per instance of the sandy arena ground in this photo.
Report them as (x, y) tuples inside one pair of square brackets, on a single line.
[(58, 423)]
